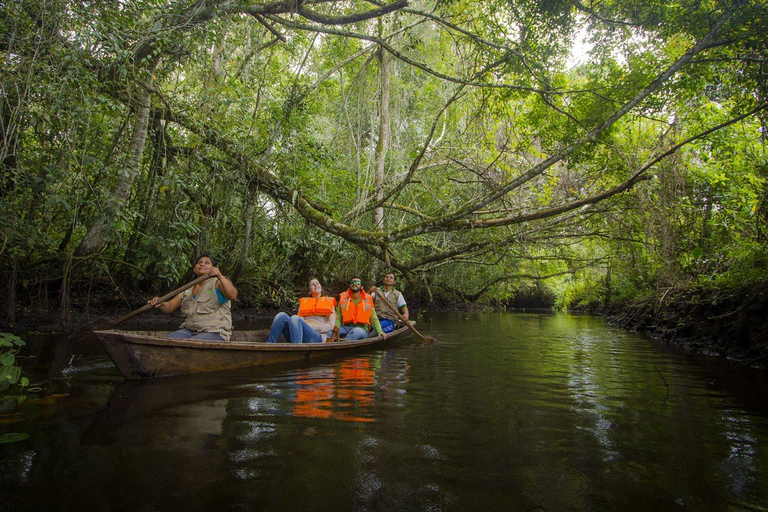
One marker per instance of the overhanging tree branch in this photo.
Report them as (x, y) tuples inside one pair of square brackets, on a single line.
[(454, 219)]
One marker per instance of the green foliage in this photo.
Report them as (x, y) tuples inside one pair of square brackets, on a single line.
[(244, 125), (10, 373), (583, 295)]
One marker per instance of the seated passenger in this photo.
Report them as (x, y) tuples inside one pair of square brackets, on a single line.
[(355, 313), (313, 322)]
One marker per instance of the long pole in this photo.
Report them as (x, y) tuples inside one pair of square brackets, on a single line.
[(168, 296), (402, 319)]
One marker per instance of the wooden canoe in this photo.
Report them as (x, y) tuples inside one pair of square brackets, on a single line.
[(150, 354)]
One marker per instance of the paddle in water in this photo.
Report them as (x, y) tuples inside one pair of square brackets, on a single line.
[(402, 319), (63, 356)]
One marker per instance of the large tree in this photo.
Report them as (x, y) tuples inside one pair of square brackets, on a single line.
[(423, 133)]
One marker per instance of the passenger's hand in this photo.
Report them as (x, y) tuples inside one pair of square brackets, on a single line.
[(371, 290), (215, 272), (383, 335), (155, 301)]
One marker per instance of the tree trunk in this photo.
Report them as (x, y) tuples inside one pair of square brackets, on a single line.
[(126, 174), (382, 146), (238, 270), (10, 295), (146, 198)]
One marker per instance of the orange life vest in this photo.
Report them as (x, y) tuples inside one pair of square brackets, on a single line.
[(359, 313), (322, 306)]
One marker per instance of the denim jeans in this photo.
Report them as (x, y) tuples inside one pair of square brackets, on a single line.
[(352, 333), (387, 325), (294, 329), (187, 334)]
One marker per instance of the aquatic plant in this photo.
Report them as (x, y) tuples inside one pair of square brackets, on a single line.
[(10, 372), (11, 376)]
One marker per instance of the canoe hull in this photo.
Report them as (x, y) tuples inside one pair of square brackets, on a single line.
[(147, 355)]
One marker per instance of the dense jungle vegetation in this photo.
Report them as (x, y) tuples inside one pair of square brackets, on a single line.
[(599, 153)]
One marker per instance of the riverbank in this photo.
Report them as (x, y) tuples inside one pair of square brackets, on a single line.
[(724, 323)]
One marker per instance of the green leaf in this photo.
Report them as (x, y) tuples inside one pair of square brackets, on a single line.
[(13, 437), (7, 340), (7, 359), (697, 252), (15, 374)]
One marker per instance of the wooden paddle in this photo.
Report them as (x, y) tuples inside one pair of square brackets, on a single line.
[(164, 298), (63, 354), (402, 319)]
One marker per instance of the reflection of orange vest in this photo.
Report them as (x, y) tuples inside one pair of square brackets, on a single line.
[(359, 313), (322, 306)]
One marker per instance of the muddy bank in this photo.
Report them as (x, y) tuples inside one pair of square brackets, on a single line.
[(724, 323)]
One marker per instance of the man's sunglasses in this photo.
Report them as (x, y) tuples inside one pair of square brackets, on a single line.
[(355, 281)]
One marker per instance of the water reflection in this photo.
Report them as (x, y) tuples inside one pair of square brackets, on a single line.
[(531, 412), (344, 393)]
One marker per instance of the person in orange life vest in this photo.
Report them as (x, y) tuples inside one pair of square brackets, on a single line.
[(355, 314), (387, 318), (313, 322), (206, 307)]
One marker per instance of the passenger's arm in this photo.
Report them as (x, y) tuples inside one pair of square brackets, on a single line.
[(376, 324)]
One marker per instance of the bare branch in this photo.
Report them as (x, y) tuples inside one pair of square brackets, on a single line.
[(352, 18)]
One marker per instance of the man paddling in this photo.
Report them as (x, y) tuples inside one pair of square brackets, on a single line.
[(355, 313), (387, 318)]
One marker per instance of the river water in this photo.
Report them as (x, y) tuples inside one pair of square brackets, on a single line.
[(505, 412)]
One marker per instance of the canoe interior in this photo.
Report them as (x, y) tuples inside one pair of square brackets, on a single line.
[(255, 336)]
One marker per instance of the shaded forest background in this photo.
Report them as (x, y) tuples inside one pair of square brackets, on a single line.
[(602, 155)]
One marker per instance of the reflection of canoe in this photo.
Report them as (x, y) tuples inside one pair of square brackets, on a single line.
[(149, 354)]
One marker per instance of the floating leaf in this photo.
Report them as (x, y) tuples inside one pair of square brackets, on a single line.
[(7, 359), (10, 374), (13, 437)]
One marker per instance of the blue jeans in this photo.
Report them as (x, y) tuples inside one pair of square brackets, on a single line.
[(352, 333), (187, 334), (387, 325), (294, 329)]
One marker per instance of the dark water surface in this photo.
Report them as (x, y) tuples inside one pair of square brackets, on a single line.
[(506, 412)]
